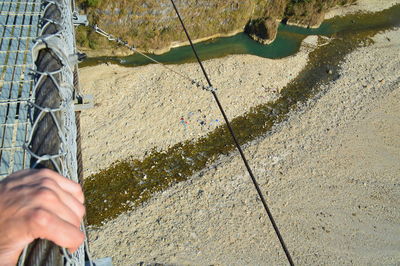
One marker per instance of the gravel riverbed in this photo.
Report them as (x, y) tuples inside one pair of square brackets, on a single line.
[(140, 108), (330, 172)]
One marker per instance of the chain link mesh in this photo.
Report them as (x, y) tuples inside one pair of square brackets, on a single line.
[(52, 140)]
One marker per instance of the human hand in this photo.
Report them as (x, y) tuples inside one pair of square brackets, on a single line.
[(39, 204)]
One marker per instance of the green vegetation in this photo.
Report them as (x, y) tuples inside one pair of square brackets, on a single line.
[(152, 25), (128, 183), (93, 3)]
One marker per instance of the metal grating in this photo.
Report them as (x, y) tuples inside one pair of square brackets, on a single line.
[(19, 26)]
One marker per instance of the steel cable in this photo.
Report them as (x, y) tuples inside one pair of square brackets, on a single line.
[(213, 91), (133, 49), (288, 256)]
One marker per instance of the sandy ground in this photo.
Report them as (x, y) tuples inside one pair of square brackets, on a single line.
[(330, 173), (145, 107), (141, 108), (361, 6)]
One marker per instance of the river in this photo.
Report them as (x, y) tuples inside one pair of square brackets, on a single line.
[(287, 43), (140, 179)]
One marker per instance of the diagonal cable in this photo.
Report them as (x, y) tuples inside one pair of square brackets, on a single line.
[(133, 49), (288, 256), (213, 91)]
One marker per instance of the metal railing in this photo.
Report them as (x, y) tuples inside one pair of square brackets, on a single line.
[(38, 79)]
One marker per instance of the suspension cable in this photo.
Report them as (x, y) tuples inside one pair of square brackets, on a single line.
[(288, 256), (213, 91), (133, 49)]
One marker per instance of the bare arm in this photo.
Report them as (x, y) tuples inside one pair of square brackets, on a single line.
[(38, 204)]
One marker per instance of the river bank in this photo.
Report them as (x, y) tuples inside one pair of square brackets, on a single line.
[(126, 52), (359, 6), (330, 173), (317, 143), (138, 109)]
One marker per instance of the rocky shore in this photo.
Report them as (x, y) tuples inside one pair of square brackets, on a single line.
[(151, 26), (263, 30), (138, 109), (361, 6), (330, 173)]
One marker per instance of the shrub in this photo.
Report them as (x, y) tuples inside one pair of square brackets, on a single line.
[(93, 3)]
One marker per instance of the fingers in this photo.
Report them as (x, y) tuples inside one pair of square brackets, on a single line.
[(51, 192), (50, 201), (47, 192), (31, 175), (66, 184), (44, 224), (39, 204), (65, 197)]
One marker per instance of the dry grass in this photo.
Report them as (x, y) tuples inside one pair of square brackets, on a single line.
[(309, 13), (152, 25)]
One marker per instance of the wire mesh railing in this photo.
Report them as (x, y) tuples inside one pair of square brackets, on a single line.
[(38, 76), (16, 33)]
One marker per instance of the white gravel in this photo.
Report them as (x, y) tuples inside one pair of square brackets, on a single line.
[(361, 6), (141, 108), (330, 173)]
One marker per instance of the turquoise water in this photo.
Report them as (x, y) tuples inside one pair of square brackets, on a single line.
[(107, 192), (287, 43)]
